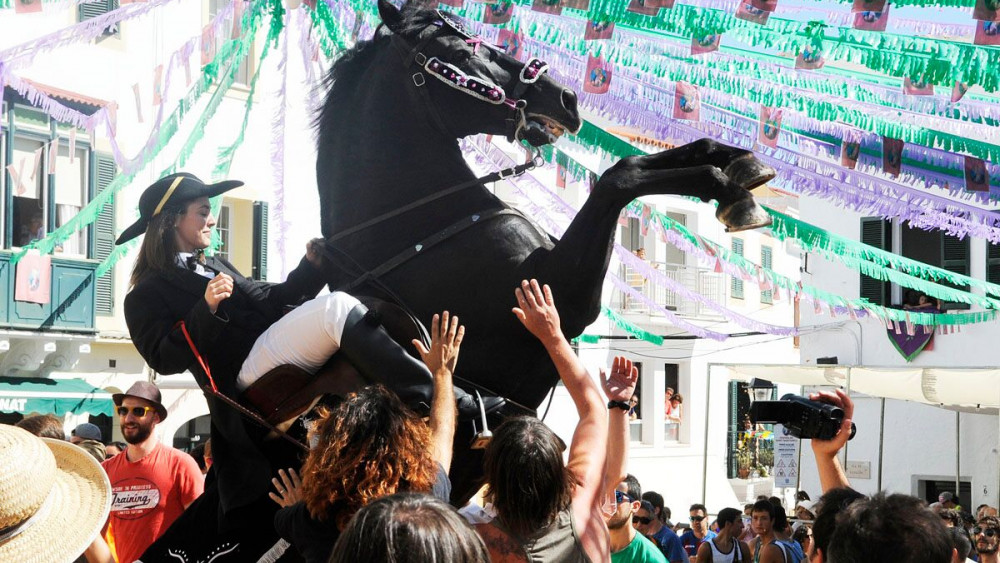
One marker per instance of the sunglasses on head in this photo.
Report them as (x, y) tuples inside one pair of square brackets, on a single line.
[(137, 412), (988, 532), (697, 518), (621, 497), (644, 520)]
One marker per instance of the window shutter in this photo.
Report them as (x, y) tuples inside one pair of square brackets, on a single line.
[(766, 296), (104, 235), (91, 10), (260, 240), (955, 254), (736, 285), (876, 232), (993, 263)]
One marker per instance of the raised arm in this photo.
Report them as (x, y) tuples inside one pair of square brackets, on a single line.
[(831, 473), (618, 387), (441, 359), (537, 312)]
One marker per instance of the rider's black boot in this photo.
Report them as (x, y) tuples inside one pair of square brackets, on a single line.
[(380, 359)]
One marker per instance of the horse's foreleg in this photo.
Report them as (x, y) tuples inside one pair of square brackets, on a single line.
[(576, 266), (739, 165)]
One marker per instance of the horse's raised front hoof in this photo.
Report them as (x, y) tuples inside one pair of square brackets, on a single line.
[(742, 215), (748, 173)]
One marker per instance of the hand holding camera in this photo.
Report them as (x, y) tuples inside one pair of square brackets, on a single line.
[(839, 399)]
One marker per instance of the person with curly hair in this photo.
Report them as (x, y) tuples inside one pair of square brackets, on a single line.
[(370, 446)]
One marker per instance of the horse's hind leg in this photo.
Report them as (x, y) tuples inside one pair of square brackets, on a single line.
[(576, 266)]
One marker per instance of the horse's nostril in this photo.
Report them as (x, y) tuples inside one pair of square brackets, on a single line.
[(569, 100)]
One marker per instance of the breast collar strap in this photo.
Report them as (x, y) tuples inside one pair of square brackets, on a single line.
[(478, 88)]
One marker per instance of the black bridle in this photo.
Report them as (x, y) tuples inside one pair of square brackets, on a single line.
[(482, 89)]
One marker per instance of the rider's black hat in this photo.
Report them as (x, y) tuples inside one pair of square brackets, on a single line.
[(175, 188)]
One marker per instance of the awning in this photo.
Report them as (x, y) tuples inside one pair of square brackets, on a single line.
[(42, 395), (967, 389)]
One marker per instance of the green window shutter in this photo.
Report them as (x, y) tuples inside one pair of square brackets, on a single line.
[(955, 254), (766, 296), (736, 285), (993, 263), (877, 232), (260, 240), (91, 10), (104, 236)]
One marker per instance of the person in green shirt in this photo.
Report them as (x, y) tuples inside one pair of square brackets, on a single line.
[(628, 546)]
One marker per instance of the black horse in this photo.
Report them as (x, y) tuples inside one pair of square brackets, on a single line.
[(388, 142)]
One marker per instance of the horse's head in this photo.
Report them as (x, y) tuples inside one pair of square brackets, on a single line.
[(469, 87)]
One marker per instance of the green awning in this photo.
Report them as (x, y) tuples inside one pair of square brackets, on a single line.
[(42, 395)]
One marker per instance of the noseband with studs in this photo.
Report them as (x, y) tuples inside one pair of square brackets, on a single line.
[(456, 78)]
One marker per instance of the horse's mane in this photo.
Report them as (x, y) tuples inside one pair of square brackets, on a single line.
[(345, 74)]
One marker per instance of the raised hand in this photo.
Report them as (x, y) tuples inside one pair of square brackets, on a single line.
[(218, 290), (446, 339), (830, 448), (620, 384), (288, 488), (536, 310)]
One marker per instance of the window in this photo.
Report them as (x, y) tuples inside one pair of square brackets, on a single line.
[(70, 189), (672, 409), (222, 227), (91, 10), (29, 203), (244, 74), (766, 296), (736, 286), (876, 232), (993, 263)]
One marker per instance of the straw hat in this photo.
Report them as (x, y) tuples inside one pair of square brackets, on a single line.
[(54, 498)]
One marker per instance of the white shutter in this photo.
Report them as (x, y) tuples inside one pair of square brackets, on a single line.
[(71, 178)]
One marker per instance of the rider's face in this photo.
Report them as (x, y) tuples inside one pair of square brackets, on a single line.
[(193, 229)]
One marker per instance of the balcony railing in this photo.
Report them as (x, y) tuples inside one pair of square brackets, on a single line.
[(699, 280), (71, 304)]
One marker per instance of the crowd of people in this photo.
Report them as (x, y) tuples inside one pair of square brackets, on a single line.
[(374, 483)]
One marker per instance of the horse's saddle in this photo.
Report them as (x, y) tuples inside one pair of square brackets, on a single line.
[(288, 391)]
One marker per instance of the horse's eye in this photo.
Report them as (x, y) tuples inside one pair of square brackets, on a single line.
[(461, 57)]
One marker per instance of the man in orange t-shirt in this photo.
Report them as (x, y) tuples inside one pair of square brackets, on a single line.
[(152, 483)]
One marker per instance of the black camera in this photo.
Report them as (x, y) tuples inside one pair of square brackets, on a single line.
[(803, 418)]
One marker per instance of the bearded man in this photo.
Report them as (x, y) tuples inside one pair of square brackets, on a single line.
[(152, 483)]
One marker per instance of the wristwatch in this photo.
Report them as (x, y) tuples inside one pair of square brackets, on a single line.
[(619, 405)]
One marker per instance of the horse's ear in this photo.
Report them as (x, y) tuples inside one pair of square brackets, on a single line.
[(390, 15)]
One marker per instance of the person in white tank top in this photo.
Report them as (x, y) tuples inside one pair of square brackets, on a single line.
[(726, 548)]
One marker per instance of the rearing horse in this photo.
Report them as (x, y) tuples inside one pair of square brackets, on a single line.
[(388, 140)]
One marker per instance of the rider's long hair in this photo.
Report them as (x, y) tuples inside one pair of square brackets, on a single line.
[(158, 252), (527, 481), (369, 446)]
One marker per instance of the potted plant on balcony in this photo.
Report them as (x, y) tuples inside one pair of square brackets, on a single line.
[(744, 462)]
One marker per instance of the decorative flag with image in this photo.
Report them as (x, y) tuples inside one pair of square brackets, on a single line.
[(598, 30), (498, 14), (766, 5), (986, 10), (919, 88), (770, 126), (868, 6), (849, 153), (33, 278), (976, 177), (892, 156), (562, 162), (987, 33), (207, 45), (27, 6), (547, 7), (705, 44), (748, 12), (158, 84), (644, 7), (958, 92), (810, 58), (577, 4), (687, 102), (598, 77), (511, 43), (872, 20)]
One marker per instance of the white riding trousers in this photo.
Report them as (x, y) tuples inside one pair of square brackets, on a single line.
[(305, 337)]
